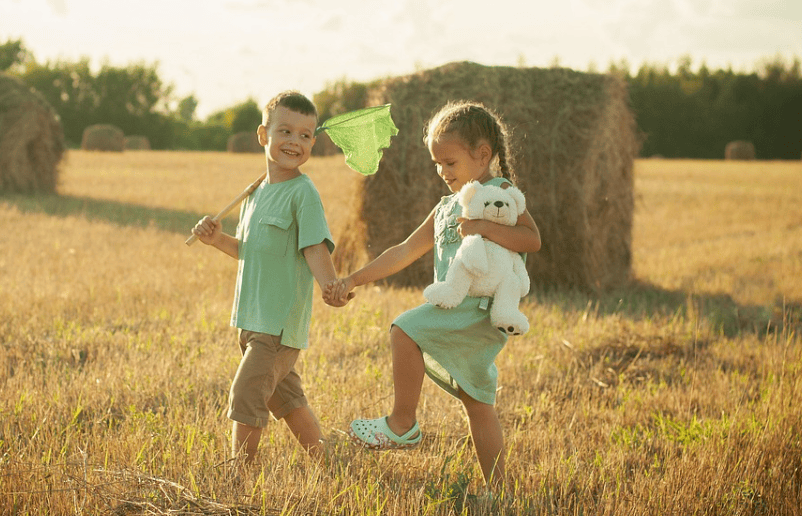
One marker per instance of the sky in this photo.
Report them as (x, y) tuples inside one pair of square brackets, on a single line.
[(226, 51)]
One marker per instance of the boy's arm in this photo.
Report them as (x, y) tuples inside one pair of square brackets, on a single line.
[(318, 258), (210, 232)]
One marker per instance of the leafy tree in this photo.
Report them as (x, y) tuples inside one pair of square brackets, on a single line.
[(246, 117), (186, 108), (12, 53)]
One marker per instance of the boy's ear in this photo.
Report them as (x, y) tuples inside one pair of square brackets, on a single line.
[(261, 135)]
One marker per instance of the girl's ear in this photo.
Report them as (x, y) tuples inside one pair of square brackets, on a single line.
[(485, 154)]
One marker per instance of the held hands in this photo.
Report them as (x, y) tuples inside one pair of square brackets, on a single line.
[(208, 230), (338, 292)]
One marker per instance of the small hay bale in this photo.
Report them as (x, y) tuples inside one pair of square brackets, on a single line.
[(574, 143), (137, 143), (740, 150), (245, 141), (31, 139), (103, 137)]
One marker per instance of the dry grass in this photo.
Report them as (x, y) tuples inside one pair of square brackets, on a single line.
[(677, 394)]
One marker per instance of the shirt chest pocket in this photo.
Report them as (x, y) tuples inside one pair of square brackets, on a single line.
[(274, 235)]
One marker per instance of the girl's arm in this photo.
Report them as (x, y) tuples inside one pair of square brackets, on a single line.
[(392, 260), (524, 237)]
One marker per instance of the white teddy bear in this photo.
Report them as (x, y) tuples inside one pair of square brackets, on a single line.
[(482, 267)]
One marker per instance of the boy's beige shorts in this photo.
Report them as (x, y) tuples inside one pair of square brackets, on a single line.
[(266, 381)]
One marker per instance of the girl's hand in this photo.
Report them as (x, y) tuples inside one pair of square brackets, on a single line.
[(470, 226), (343, 289), (331, 296)]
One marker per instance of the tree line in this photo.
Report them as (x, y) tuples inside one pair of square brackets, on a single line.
[(684, 113)]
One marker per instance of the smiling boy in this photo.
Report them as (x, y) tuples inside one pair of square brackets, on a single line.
[(282, 244)]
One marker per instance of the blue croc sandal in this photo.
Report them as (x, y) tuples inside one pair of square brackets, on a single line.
[(374, 434)]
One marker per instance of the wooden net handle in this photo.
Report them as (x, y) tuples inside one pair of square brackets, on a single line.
[(245, 193)]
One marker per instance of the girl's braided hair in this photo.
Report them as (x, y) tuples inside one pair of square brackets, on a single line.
[(474, 123)]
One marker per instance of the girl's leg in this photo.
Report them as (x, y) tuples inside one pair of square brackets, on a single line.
[(408, 371), (487, 438)]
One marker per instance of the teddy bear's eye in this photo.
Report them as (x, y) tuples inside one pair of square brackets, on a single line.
[(487, 203)]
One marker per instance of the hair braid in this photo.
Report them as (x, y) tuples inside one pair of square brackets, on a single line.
[(474, 123)]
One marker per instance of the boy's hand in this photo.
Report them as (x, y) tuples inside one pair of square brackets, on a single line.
[(208, 230), (334, 294)]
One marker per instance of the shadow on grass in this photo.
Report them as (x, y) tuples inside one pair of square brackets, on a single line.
[(642, 300), (113, 212)]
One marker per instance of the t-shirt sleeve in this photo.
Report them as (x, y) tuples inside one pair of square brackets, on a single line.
[(312, 226)]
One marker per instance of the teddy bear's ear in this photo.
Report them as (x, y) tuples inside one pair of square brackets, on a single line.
[(518, 197), (467, 192)]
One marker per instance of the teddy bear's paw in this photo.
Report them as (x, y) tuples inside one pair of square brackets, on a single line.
[(514, 326), (442, 295)]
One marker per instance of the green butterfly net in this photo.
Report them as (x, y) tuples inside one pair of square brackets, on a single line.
[(361, 134)]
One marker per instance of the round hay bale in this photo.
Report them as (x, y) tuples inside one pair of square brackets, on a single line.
[(103, 137), (245, 141), (740, 149), (136, 143), (574, 142), (31, 139)]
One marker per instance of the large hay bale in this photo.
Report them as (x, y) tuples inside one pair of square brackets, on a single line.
[(574, 144), (245, 141), (740, 149), (324, 146), (103, 137), (31, 139), (136, 143)]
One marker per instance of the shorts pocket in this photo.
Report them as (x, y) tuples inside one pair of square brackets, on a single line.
[(274, 235)]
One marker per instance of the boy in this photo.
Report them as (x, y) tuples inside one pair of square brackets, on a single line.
[(282, 242)]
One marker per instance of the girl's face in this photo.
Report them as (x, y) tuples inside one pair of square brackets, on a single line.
[(457, 164)]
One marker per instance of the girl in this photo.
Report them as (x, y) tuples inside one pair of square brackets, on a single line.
[(455, 347)]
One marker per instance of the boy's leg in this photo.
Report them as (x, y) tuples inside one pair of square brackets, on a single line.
[(305, 427), (487, 438), (264, 363), (245, 441), (408, 371)]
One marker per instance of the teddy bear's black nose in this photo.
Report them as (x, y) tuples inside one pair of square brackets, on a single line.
[(498, 204)]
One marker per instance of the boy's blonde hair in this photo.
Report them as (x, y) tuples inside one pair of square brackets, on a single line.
[(292, 100), (473, 123)]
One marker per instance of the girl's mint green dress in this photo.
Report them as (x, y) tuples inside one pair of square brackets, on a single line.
[(459, 344)]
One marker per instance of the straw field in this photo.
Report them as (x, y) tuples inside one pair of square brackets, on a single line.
[(675, 394)]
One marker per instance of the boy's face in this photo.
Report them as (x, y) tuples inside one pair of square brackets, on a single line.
[(289, 138)]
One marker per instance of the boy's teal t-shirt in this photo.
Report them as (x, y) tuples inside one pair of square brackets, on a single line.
[(274, 283)]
